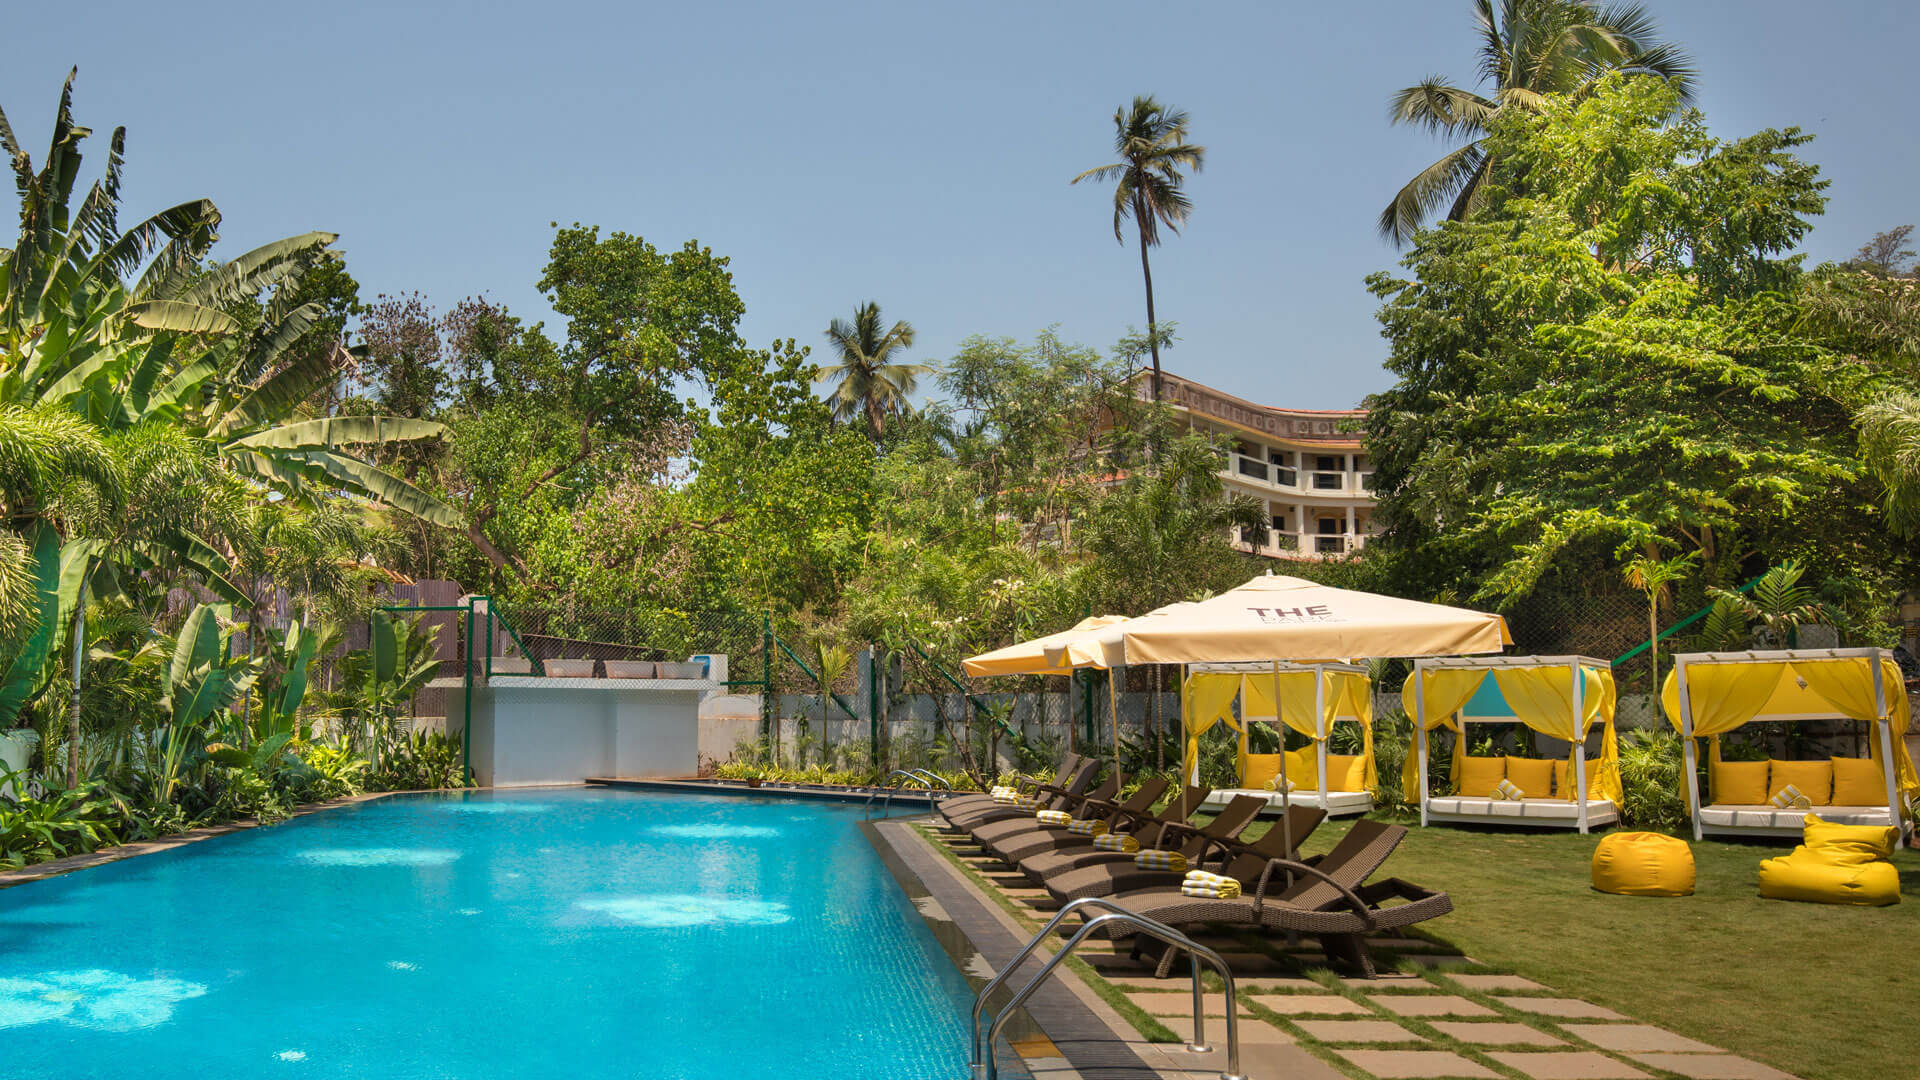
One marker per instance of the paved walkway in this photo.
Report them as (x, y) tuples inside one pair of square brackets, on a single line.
[(1439, 1016)]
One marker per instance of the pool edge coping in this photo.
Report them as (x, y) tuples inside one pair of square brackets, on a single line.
[(1152, 1058)]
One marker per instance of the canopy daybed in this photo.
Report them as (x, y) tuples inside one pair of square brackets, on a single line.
[(1541, 692), (1708, 695), (1310, 699)]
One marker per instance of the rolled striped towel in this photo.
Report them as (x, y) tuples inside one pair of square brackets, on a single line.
[(1002, 791), (1053, 817), (1116, 842), (1791, 798), (1161, 860), (1214, 886), (1509, 791), (1087, 828)]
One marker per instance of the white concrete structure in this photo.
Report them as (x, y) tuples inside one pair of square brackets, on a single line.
[(1307, 466), (530, 730)]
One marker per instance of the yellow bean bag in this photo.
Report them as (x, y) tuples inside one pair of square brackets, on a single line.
[(1837, 864), (1643, 864)]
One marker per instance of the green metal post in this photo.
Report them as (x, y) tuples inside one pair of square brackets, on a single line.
[(466, 739), (766, 678), (873, 706)]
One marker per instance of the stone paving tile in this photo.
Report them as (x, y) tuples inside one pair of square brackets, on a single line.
[(1277, 1061), (1312, 1005), (1496, 1033), (1432, 1005), (1712, 1066), (1567, 1065), (1568, 1008), (1637, 1038), (1252, 1032), (1180, 1004), (1358, 1031), (1416, 1064), (1496, 982), (1386, 979)]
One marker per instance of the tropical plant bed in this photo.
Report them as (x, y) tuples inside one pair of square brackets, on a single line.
[(1808, 988)]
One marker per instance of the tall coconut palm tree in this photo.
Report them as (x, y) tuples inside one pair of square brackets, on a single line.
[(867, 382), (1528, 50), (1151, 140)]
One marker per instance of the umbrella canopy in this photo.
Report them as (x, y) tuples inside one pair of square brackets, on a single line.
[(1029, 657), (1287, 618)]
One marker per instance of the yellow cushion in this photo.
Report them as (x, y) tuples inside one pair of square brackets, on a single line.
[(1643, 864), (1480, 775), (1851, 845), (1741, 783), (1813, 778), (1858, 782), (1806, 876), (1261, 770), (1346, 772), (1533, 776), (1303, 768)]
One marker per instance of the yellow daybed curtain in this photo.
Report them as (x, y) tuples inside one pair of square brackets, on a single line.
[(1542, 699), (1207, 700), (1343, 693), (1443, 693), (1726, 696)]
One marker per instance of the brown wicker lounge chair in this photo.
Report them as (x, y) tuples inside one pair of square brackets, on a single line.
[(1011, 828), (980, 800), (1117, 816), (1050, 797), (1048, 863), (1201, 847), (1329, 898)]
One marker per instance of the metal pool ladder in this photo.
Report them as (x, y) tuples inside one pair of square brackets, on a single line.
[(926, 779), (983, 1064)]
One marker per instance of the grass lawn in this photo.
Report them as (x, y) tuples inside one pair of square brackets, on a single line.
[(1817, 990)]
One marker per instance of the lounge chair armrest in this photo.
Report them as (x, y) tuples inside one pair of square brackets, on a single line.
[(1360, 907)]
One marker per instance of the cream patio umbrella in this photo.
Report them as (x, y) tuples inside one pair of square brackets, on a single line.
[(1287, 618), (1029, 657)]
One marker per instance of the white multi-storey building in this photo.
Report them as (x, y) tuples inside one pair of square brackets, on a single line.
[(1307, 466)]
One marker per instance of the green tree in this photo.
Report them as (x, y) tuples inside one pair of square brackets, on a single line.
[(1149, 185), (1529, 51), (1652, 575), (868, 382), (1606, 357)]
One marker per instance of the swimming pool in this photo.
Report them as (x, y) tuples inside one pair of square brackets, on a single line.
[(549, 933)]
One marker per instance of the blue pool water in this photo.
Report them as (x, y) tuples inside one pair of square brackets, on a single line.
[(553, 933)]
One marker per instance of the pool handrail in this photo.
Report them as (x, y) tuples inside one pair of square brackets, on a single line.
[(887, 804), (983, 1064)]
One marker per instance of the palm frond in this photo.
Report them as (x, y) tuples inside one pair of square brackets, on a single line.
[(1436, 185)]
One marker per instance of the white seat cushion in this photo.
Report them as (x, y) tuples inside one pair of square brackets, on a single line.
[(1525, 809), (1767, 816), (1336, 801)]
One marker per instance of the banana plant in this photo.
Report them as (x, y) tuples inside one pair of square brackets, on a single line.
[(398, 662), (202, 678), (283, 681)]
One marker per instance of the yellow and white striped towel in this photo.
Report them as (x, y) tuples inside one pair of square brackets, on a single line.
[(1161, 860), (1791, 798), (1053, 817), (1002, 791), (1116, 842), (1215, 886), (1087, 828), (1509, 791)]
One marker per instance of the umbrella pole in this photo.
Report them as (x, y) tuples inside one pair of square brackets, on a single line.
[(1286, 785), (1113, 701), (1186, 778)]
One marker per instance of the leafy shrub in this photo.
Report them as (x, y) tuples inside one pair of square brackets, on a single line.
[(61, 822), (1650, 779), (421, 761), (337, 772)]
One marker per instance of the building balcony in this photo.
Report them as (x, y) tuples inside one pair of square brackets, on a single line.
[(1281, 480)]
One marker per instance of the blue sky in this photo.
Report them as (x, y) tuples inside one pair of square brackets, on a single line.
[(914, 154)]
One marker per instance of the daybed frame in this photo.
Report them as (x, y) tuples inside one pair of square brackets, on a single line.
[(1768, 820), (1585, 813), (1334, 803)]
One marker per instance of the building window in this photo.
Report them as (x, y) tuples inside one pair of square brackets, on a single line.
[(1279, 523), (1326, 463)]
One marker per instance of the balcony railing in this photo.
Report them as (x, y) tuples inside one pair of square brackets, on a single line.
[(1292, 545), (1282, 478)]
